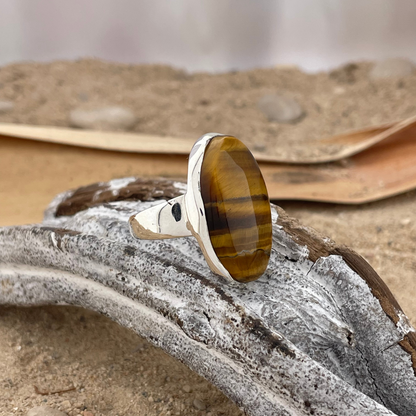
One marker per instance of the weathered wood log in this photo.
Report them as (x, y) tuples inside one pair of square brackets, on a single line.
[(318, 334)]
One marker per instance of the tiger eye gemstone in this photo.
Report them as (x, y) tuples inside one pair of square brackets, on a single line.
[(237, 208)]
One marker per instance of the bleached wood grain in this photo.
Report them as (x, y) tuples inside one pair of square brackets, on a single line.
[(318, 334)]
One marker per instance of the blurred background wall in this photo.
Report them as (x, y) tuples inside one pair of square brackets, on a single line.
[(209, 35)]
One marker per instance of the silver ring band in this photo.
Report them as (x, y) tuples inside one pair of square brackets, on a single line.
[(185, 216)]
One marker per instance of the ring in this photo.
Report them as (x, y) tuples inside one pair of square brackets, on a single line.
[(226, 208)]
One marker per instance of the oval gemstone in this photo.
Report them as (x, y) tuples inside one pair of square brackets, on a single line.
[(237, 208)]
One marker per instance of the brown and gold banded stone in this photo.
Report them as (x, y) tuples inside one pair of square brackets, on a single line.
[(237, 208)]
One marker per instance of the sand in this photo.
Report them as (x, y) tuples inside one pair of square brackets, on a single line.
[(115, 372), (172, 102)]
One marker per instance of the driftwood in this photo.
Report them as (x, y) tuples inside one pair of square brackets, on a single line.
[(318, 334)]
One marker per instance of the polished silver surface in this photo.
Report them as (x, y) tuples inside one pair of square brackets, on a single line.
[(183, 216), (165, 220)]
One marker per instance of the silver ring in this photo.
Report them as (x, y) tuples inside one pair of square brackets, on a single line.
[(226, 208)]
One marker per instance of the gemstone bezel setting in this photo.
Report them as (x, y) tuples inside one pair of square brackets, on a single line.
[(197, 220), (185, 215)]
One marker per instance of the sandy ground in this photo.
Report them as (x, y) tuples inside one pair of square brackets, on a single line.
[(115, 372)]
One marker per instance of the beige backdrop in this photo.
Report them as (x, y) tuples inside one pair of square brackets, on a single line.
[(211, 35)]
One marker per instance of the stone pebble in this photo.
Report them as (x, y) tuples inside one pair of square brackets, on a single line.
[(6, 106), (280, 108), (392, 68), (186, 388), (199, 404), (66, 404), (45, 411), (112, 118)]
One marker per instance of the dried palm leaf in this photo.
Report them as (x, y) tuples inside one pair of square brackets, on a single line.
[(325, 150)]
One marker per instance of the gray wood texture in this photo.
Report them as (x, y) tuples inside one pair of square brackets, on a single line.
[(318, 334)]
